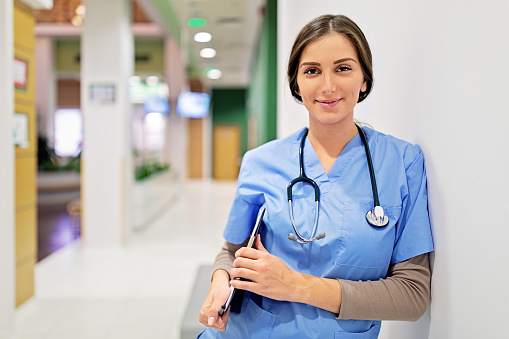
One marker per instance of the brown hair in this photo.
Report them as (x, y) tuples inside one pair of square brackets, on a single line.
[(320, 27)]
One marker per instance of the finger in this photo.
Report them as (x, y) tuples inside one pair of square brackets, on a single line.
[(250, 286), (250, 253), (242, 262), (244, 273), (222, 321), (214, 320), (258, 244), (213, 312)]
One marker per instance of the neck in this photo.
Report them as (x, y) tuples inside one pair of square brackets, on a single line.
[(329, 140)]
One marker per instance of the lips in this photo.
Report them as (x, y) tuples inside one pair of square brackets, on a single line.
[(328, 103)]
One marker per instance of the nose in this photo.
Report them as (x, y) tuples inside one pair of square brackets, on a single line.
[(328, 85)]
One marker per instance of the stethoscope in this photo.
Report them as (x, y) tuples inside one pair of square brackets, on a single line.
[(374, 217)]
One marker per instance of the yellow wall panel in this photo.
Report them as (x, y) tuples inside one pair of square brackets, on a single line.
[(26, 182), (24, 22), (26, 234), (24, 280), (26, 158)]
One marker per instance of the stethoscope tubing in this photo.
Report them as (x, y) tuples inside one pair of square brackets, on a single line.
[(303, 177), (374, 217), (370, 165)]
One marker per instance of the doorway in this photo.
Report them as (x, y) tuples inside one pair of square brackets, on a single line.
[(226, 152)]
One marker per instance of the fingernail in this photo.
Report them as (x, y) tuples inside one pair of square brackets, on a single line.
[(212, 320)]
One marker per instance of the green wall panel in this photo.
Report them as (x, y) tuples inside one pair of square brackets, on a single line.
[(262, 94)]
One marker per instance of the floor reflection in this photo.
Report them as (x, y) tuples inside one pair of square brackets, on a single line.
[(55, 229)]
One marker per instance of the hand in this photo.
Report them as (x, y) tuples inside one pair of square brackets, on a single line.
[(218, 293), (269, 276)]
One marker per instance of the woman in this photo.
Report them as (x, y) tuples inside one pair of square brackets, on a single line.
[(350, 275)]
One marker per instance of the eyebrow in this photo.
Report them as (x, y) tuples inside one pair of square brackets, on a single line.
[(335, 62)]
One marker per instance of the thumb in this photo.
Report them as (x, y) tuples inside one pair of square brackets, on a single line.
[(213, 314), (258, 244)]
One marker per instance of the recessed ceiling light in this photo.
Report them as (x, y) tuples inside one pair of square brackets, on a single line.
[(77, 20), (152, 80), (81, 10), (208, 53), (202, 37), (213, 73), (134, 80)]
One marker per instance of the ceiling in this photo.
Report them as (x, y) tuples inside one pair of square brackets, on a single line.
[(235, 26)]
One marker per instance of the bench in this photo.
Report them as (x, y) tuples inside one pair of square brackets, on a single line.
[(190, 327)]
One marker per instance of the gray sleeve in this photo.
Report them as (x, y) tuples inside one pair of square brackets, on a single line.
[(403, 295), (224, 259)]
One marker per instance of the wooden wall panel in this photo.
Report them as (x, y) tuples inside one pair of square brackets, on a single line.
[(195, 149), (68, 93)]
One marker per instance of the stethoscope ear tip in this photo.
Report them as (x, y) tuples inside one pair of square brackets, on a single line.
[(292, 237)]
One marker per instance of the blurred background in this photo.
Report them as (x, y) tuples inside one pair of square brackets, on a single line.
[(122, 137)]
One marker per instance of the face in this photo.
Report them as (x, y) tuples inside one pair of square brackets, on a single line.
[(330, 79)]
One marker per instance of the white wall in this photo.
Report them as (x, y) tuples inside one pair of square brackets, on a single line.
[(45, 84), (176, 126), (441, 80), (7, 259)]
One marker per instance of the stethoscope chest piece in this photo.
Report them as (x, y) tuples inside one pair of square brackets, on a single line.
[(376, 217)]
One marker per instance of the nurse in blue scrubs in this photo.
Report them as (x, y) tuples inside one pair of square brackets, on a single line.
[(340, 285)]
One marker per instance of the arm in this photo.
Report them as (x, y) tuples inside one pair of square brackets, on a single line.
[(224, 259), (403, 295), (219, 288)]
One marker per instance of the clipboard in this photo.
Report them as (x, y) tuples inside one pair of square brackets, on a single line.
[(252, 238)]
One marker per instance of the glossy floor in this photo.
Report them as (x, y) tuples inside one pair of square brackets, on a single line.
[(136, 291), (55, 229)]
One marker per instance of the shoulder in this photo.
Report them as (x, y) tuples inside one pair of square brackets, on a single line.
[(275, 150), (393, 148)]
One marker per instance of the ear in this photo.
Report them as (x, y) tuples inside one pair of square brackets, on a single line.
[(364, 86)]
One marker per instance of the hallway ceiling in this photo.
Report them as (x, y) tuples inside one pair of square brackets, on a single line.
[(235, 26)]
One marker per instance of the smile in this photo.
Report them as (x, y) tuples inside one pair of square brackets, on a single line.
[(328, 103)]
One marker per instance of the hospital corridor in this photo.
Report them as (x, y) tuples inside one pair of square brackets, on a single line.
[(361, 139), (136, 291)]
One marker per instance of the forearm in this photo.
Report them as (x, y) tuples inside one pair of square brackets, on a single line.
[(225, 257), (319, 292), (403, 295)]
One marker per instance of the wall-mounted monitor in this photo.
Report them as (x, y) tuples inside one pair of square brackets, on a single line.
[(193, 104)]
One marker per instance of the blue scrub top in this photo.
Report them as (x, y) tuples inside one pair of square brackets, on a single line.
[(351, 249)]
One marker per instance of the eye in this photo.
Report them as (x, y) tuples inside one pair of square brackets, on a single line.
[(311, 71), (344, 68)]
